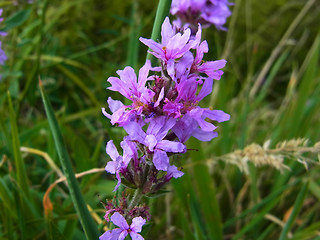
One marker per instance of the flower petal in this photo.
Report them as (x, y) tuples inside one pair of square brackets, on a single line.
[(174, 172), (166, 31), (106, 236), (170, 146), (150, 142), (135, 132), (143, 74), (160, 160), (203, 135), (136, 236), (112, 150), (114, 105), (123, 235), (112, 167), (137, 224), (119, 181), (206, 89), (216, 115), (119, 221)]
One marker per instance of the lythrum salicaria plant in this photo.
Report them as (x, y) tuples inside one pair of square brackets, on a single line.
[(163, 114)]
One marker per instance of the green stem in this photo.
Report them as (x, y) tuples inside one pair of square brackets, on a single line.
[(135, 199)]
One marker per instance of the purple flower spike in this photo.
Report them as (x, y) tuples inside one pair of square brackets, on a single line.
[(124, 229)]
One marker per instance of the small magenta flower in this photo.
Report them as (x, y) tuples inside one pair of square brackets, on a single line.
[(173, 45), (124, 228), (135, 90), (120, 163), (154, 140), (206, 12)]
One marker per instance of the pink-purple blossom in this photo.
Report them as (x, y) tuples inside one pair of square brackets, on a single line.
[(124, 228), (119, 163), (173, 44), (205, 12), (154, 140), (163, 113)]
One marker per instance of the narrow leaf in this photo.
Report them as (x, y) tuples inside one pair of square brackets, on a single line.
[(86, 220), (296, 209), (20, 167)]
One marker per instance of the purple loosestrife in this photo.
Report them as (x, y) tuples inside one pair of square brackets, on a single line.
[(163, 114), (124, 229), (205, 12)]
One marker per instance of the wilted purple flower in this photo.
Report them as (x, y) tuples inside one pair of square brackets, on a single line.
[(124, 229), (120, 163), (153, 139), (205, 12)]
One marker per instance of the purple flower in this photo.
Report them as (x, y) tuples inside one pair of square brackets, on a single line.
[(124, 229), (194, 124), (173, 45), (142, 97), (120, 163), (173, 172), (154, 140), (206, 12)]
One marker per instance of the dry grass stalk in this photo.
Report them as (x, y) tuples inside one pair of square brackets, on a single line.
[(264, 156)]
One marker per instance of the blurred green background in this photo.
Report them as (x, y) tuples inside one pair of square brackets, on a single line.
[(270, 88)]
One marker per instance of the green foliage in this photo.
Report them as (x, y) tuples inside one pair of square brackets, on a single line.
[(74, 46)]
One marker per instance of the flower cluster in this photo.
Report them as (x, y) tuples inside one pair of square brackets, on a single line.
[(3, 56), (163, 114), (205, 12)]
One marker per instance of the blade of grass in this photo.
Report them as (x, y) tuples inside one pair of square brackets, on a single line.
[(206, 192), (87, 222), (264, 202), (19, 164), (296, 209), (278, 48), (133, 48), (188, 199), (7, 199)]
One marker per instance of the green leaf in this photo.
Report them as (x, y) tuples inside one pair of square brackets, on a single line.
[(17, 19), (296, 209), (20, 167), (86, 220), (206, 192)]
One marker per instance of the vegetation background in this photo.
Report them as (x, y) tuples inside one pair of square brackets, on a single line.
[(258, 180)]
